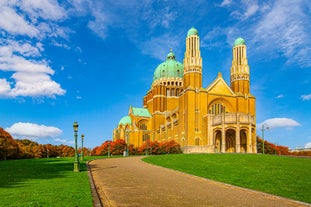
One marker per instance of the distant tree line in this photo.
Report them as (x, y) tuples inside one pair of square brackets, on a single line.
[(11, 148)]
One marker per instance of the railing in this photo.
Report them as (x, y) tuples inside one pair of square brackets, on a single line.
[(232, 118)]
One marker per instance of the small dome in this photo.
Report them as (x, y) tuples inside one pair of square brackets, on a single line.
[(192, 31), (239, 41), (125, 120), (169, 68)]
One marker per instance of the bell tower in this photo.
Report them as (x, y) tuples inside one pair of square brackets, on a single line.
[(240, 82), (192, 61)]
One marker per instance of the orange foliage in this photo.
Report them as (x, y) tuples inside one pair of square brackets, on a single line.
[(8, 146)]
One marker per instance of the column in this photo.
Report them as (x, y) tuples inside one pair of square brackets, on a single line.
[(237, 135), (237, 140), (249, 140)]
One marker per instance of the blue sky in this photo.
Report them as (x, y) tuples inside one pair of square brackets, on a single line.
[(88, 61)]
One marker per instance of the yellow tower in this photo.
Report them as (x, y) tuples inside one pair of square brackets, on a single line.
[(240, 70), (190, 101), (193, 61)]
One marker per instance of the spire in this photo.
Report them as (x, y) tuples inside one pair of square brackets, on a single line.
[(193, 60), (240, 81)]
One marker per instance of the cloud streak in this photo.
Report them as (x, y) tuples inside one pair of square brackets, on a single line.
[(271, 27)]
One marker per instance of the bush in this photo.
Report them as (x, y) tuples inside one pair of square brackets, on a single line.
[(155, 148)]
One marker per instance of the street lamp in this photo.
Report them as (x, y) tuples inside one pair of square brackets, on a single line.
[(108, 149), (147, 147), (82, 139), (263, 127), (76, 165), (127, 142)]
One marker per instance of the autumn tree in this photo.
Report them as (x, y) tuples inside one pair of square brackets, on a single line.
[(8, 146), (118, 147)]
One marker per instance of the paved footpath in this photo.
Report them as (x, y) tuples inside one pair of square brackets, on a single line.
[(131, 182)]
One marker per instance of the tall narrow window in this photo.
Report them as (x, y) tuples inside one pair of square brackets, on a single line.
[(197, 142)]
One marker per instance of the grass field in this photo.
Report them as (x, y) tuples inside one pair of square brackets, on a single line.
[(284, 176), (44, 182)]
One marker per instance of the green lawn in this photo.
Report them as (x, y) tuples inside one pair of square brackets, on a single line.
[(279, 175), (44, 182)]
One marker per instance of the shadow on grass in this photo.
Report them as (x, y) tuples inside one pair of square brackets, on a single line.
[(16, 173)]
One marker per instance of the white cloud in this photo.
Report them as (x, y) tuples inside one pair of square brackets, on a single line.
[(31, 77), (35, 85), (11, 22), (306, 97), (308, 145), (48, 9), (60, 140), (279, 123), (245, 9), (225, 3), (31, 130), (4, 86), (25, 24), (100, 21), (280, 96)]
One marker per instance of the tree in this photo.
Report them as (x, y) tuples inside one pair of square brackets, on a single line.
[(118, 147), (8, 146)]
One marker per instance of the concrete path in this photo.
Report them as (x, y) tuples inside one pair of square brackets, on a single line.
[(132, 182)]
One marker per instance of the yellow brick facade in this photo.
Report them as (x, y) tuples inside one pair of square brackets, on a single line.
[(219, 118)]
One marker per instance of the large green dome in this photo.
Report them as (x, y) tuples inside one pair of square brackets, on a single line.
[(169, 68), (239, 41), (125, 120), (192, 31)]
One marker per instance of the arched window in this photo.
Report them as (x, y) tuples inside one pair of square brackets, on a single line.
[(217, 108), (146, 137), (167, 92), (143, 127), (172, 92)]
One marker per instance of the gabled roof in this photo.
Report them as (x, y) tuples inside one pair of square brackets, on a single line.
[(139, 112), (219, 86)]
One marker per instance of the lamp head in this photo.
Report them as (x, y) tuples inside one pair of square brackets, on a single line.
[(75, 126), (82, 136)]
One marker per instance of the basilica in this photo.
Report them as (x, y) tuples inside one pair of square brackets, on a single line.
[(218, 118)]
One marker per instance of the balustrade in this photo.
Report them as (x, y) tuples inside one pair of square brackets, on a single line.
[(231, 118)]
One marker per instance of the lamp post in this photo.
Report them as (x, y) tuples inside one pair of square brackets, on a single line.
[(127, 141), (82, 140), (108, 149), (276, 148), (76, 164), (263, 127), (147, 147)]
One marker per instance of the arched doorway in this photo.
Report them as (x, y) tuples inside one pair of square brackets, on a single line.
[(218, 141), (243, 141), (197, 141), (230, 140)]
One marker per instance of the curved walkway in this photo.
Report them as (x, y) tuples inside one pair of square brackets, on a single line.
[(132, 182)]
